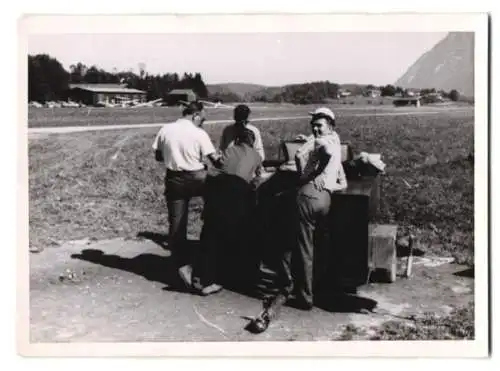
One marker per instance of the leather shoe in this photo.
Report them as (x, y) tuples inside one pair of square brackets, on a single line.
[(259, 324)]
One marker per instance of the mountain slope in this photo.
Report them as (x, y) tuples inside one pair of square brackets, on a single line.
[(448, 65)]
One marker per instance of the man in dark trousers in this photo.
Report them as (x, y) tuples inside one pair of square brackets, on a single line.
[(319, 173), (183, 147), (229, 203)]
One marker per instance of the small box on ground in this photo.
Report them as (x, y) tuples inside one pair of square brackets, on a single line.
[(382, 247)]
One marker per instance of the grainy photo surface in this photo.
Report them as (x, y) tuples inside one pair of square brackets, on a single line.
[(251, 186)]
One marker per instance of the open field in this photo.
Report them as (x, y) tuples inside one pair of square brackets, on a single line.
[(103, 184)]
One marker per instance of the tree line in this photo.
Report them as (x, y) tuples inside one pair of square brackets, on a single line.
[(49, 81), (321, 92)]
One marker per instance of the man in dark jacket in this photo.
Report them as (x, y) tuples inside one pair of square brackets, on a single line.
[(229, 204)]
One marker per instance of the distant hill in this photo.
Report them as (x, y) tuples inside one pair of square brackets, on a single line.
[(247, 91), (448, 65), (240, 89)]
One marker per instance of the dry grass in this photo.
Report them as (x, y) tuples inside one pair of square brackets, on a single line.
[(107, 184), (458, 325)]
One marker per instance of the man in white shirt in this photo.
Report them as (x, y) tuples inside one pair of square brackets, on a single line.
[(183, 147)]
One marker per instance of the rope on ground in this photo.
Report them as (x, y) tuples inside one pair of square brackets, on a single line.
[(203, 319)]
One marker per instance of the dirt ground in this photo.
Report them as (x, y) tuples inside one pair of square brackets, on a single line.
[(123, 291)]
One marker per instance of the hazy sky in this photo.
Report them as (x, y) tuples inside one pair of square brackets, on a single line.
[(261, 58)]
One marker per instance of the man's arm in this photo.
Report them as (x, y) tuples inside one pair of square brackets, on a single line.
[(317, 174), (329, 163), (259, 146), (208, 150), (159, 155), (157, 145), (302, 155)]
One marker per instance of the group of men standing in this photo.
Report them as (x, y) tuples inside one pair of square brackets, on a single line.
[(226, 178)]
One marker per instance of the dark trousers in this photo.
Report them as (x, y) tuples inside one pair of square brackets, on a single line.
[(180, 187), (226, 238), (312, 208), (294, 236)]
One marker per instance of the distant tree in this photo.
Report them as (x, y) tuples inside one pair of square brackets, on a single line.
[(199, 86), (427, 91), (47, 79), (454, 95), (142, 70), (77, 72), (388, 91)]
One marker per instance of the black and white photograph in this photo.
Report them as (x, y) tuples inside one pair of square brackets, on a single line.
[(258, 184)]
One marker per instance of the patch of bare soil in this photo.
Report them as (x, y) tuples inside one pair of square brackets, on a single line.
[(126, 290)]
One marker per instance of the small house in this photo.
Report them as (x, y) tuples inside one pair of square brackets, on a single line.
[(97, 94), (178, 96)]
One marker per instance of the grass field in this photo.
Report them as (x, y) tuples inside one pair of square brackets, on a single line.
[(104, 184)]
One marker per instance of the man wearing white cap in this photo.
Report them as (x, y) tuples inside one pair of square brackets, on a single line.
[(321, 173)]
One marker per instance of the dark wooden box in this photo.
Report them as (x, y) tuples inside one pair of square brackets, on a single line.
[(346, 262)]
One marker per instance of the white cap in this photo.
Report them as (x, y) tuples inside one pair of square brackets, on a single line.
[(323, 111)]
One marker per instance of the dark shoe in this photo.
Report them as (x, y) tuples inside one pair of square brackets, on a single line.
[(259, 324), (272, 307), (301, 304)]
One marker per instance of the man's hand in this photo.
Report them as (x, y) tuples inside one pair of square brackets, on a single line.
[(301, 137), (215, 159), (319, 182)]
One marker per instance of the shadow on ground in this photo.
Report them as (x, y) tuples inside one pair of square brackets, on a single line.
[(163, 269), (469, 273), (150, 266), (404, 251)]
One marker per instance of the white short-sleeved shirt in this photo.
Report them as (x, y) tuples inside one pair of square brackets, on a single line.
[(333, 175), (183, 146)]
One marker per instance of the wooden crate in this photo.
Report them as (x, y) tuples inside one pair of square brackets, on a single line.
[(382, 252)]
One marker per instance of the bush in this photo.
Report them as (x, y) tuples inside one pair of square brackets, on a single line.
[(454, 95)]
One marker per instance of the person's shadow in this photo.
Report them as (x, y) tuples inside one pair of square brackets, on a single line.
[(153, 267)]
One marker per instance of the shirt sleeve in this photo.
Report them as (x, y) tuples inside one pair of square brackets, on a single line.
[(331, 145), (206, 145), (333, 169), (258, 145), (158, 141)]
